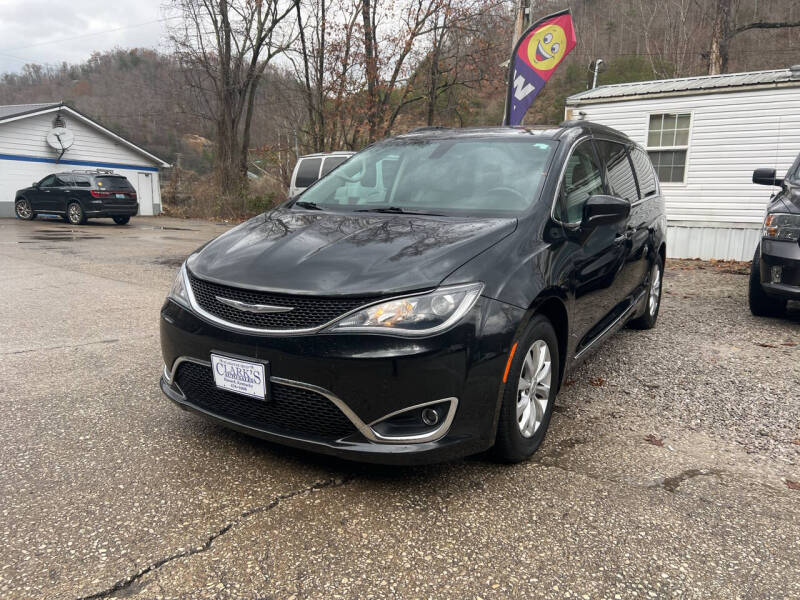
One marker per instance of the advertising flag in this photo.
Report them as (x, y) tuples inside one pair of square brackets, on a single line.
[(537, 54)]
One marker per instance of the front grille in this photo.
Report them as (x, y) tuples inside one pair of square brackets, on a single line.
[(289, 410), (309, 311)]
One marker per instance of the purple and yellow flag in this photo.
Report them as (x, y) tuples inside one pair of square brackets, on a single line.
[(537, 54)]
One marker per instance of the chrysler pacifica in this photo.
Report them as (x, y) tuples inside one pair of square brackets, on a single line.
[(426, 299)]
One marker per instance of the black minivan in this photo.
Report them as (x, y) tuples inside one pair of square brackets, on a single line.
[(426, 299)]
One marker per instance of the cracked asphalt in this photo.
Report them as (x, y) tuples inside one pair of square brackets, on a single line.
[(670, 469)]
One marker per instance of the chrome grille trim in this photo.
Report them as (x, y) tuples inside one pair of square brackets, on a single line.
[(363, 428), (195, 306)]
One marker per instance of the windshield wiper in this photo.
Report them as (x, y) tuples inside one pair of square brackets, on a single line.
[(397, 211), (308, 205)]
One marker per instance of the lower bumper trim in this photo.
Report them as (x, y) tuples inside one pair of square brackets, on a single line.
[(362, 451), (168, 378), (783, 290)]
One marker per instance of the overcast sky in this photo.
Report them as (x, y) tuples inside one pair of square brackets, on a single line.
[(49, 32)]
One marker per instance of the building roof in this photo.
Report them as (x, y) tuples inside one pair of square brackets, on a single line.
[(16, 110), (12, 112), (689, 86)]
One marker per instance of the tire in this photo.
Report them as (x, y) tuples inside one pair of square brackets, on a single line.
[(75, 214), (762, 305), (23, 209), (121, 220), (518, 438), (653, 306)]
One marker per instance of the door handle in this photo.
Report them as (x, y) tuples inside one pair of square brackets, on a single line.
[(624, 237)]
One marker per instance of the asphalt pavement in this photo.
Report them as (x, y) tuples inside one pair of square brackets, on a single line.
[(671, 467)]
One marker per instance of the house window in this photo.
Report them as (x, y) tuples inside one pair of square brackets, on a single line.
[(667, 144)]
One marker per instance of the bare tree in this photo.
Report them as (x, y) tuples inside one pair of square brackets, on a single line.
[(725, 30), (224, 47)]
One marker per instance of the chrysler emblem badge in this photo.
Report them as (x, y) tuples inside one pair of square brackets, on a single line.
[(254, 308)]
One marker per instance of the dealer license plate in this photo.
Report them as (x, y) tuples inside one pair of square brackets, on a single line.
[(240, 376)]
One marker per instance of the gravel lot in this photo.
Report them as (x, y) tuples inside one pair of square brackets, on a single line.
[(669, 471)]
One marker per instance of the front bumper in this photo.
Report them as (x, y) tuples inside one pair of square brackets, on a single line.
[(366, 377), (785, 255)]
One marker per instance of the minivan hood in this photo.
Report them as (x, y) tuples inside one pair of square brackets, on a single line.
[(322, 253)]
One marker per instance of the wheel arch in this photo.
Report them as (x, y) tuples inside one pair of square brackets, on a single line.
[(553, 306)]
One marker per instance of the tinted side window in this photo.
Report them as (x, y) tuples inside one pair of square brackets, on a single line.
[(619, 173), (331, 163), (581, 180), (307, 172), (80, 181), (48, 181), (644, 172)]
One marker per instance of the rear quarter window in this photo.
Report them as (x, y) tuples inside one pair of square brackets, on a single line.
[(113, 183), (644, 172), (307, 172)]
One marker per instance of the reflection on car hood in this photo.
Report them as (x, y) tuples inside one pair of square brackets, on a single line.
[(325, 253)]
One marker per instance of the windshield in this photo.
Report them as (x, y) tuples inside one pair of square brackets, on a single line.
[(453, 177), (794, 172)]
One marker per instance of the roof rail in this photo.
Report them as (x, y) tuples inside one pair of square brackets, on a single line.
[(428, 128), (92, 171)]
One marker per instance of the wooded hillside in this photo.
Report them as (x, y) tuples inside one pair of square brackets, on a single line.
[(342, 73)]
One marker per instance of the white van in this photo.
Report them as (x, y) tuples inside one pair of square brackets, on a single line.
[(312, 167)]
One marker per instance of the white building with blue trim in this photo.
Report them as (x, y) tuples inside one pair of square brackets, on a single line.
[(27, 156)]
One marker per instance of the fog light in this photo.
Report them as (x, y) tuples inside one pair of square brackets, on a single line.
[(430, 417), (777, 273), (416, 424)]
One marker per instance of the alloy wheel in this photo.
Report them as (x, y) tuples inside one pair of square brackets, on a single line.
[(23, 209), (74, 213), (655, 289), (533, 390)]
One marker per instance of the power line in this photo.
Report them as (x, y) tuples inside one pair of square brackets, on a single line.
[(86, 35)]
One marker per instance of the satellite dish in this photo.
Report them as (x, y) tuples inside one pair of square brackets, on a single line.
[(60, 139)]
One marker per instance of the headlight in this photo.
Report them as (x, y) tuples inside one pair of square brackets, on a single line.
[(419, 315), (782, 227), (179, 293)]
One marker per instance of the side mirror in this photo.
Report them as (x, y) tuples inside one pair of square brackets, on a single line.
[(766, 177), (35, 184), (604, 210)]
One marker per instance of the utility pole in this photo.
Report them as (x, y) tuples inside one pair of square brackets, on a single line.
[(522, 21)]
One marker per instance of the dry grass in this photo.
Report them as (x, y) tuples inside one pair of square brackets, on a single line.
[(196, 196)]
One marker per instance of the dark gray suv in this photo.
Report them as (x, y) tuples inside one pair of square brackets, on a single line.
[(79, 195), (775, 275)]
